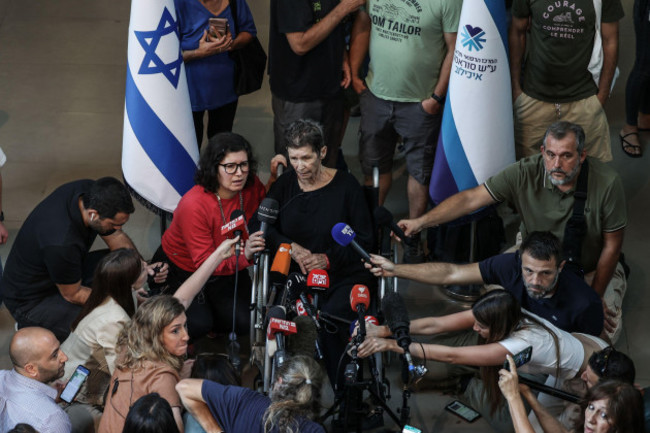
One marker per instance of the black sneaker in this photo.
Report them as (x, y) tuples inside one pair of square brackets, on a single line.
[(413, 253)]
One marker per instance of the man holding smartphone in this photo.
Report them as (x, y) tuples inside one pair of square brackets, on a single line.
[(24, 394)]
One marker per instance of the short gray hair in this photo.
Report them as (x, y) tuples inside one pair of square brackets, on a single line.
[(561, 128), (305, 132)]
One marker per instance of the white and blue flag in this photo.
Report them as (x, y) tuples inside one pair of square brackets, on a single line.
[(159, 150), (476, 137)]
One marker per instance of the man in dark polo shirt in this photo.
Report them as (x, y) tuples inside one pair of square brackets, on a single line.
[(534, 274), (49, 268)]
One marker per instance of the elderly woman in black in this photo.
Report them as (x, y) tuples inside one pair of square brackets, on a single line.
[(313, 198)]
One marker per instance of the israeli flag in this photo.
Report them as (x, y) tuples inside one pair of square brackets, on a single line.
[(159, 150), (476, 137)]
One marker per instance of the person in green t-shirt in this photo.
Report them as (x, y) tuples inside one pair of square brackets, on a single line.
[(541, 188), (554, 42), (411, 46)]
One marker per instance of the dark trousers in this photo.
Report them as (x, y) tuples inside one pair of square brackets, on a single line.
[(212, 308), (637, 90), (52, 311), (219, 120)]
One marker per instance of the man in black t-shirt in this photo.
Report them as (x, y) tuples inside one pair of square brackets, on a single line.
[(49, 268), (307, 68), (534, 275)]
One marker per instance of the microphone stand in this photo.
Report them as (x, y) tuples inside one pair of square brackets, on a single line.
[(353, 387)]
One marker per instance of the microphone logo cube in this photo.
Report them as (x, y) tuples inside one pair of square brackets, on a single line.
[(318, 280)]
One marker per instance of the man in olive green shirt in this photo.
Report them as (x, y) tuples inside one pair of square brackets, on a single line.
[(542, 188)]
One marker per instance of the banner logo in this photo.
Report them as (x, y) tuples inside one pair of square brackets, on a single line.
[(473, 38)]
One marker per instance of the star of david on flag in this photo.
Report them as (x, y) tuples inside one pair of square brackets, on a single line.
[(476, 137), (159, 149)]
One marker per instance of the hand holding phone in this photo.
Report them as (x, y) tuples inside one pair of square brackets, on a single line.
[(218, 27), (520, 359), (74, 384)]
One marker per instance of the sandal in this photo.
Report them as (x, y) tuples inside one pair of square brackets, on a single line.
[(625, 145)]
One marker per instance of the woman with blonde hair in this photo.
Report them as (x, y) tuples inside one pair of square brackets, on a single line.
[(152, 348), (294, 401)]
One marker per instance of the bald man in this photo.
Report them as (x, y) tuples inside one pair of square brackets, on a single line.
[(25, 396)]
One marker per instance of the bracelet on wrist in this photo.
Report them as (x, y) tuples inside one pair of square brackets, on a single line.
[(439, 99)]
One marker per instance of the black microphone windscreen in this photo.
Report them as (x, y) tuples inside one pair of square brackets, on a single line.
[(277, 312), (303, 342), (268, 210), (296, 284), (394, 310), (383, 216), (236, 214)]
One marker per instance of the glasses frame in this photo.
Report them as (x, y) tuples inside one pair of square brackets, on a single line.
[(243, 166)]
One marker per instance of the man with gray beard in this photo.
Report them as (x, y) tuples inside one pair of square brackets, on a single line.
[(535, 275), (542, 190)]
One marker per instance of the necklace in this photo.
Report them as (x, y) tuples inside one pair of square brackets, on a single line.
[(241, 205)]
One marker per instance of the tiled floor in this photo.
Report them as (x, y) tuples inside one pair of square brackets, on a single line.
[(62, 74)]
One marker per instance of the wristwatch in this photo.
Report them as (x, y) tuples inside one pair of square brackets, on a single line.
[(2, 216), (439, 99)]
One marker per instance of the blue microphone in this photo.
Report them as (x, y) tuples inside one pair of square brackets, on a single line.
[(344, 236)]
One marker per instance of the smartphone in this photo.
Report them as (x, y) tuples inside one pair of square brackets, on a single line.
[(411, 429), (463, 411), (74, 384), (218, 27), (520, 359)]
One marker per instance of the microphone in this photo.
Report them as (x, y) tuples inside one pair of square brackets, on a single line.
[(279, 270), (318, 281), (344, 236), (304, 305), (360, 301), (267, 214), (305, 340), (398, 322), (277, 329), (236, 227), (282, 260), (383, 217), (296, 282)]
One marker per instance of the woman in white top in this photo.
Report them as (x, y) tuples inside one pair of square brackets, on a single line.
[(504, 329)]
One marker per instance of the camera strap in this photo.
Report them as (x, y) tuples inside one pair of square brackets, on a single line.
[(576, 227)]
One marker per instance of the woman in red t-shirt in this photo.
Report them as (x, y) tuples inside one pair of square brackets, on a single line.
[(225, 182)]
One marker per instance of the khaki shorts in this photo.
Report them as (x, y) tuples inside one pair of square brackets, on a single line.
[(533, 117)]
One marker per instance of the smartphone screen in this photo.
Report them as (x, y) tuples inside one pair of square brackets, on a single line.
[(463, 411), (520, 359), (74, 384)]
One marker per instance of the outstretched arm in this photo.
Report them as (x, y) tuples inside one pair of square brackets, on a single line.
[(429, 273), (456, 206), (190, 392), (480, 355), (189, 289)]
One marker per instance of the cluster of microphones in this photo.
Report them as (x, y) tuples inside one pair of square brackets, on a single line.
[(296, 296)]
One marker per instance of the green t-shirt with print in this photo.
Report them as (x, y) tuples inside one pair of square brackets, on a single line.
[(407, 46), (559, 46), (543, 207)]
